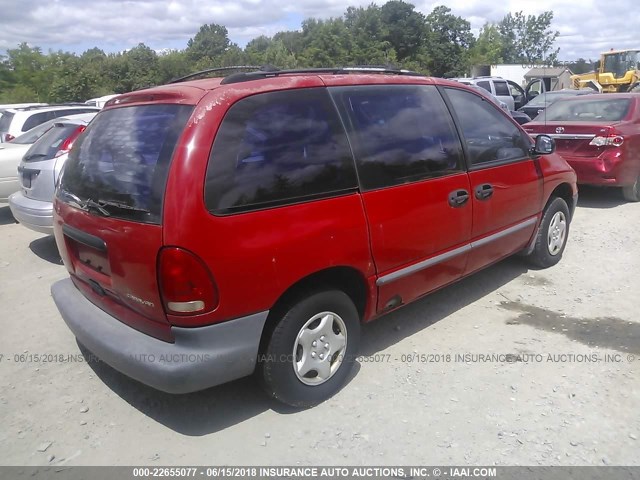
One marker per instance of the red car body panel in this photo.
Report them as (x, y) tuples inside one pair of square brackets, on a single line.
[(404, 221), (608, 165), (125, 274)]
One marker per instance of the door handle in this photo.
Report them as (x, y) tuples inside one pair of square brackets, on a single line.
[(457, 198), (484, 191)]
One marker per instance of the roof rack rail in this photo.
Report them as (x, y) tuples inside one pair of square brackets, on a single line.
[(217, 69), (274, 72), (38, 107)]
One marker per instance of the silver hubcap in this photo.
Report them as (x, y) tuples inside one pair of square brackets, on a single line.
[(557, 233), (319, 348)]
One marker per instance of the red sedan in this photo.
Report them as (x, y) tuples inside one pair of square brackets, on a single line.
[(599, 136)]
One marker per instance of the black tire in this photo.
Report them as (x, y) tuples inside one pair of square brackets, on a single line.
[(632, 192), (542, 255), (276, 371)]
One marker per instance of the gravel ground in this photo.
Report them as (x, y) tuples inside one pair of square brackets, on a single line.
[(426, 391)]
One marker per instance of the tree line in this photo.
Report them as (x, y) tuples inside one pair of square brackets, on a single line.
[(439, 44)]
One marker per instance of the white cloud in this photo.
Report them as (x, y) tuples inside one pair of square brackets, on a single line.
[(586, 27)]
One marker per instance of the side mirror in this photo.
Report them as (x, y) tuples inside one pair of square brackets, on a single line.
[(544, 145)]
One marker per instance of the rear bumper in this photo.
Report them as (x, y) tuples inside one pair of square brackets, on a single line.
[(602, 171), (200, 357), (34, 214)]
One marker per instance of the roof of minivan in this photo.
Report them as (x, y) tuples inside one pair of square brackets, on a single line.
[(192, 91)]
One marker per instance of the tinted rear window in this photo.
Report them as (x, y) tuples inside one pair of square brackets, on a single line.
[(607, 110), (122, 160), (48, 144), (278, 148)]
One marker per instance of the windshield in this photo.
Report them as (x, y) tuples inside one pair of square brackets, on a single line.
[(122, 160), (587, 110), (620, 63)]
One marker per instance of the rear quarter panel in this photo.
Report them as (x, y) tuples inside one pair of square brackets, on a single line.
[(254, 257)]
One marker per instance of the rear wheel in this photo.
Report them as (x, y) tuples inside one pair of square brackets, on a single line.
[(311, 349), (632, 192), (551, 238)]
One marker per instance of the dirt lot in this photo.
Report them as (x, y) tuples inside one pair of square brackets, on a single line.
[(572, 398)]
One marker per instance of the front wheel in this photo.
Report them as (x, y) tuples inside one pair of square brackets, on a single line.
[(632, 192), (551, 238), (311, 349)]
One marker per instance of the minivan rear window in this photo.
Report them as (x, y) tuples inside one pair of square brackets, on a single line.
[(119, 165)]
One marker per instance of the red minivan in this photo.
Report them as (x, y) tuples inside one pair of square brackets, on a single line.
[(215, 228)]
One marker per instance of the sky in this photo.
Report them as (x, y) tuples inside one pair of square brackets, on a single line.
[(587, 27)]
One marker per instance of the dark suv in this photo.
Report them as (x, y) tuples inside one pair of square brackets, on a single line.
[(219, 227)]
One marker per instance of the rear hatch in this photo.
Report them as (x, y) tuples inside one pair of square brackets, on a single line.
[(108, 210)]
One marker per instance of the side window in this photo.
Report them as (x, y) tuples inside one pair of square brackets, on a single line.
[(514, 90), (278, 148), (484, 84), (502, 89), (489, 136), (399, 133), (36, 119)]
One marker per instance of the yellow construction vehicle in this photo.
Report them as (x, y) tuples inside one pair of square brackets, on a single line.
[(619, 71)]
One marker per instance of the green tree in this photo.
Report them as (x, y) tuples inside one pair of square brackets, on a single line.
[(326, 43), (172, 65), (29, 73), (581, 66), (448, 42), (69, 81), (406, 28), (488, 48), (528, 39), (367, 37), (257, 48), (211, 41)]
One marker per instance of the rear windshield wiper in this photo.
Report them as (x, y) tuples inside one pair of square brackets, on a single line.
[(122, 206), (92, 204), (87, 204)]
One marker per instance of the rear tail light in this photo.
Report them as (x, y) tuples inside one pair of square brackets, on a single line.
[(186, 285), (8, 137), (68, 143), (611, 140)]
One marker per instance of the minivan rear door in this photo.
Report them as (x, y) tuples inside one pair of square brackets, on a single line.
[(108, 209), (414, 187)]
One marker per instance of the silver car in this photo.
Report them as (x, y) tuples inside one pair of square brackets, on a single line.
[(39, 170)]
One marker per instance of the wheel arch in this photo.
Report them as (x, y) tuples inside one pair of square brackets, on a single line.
[(346, 279), (565, 192)]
